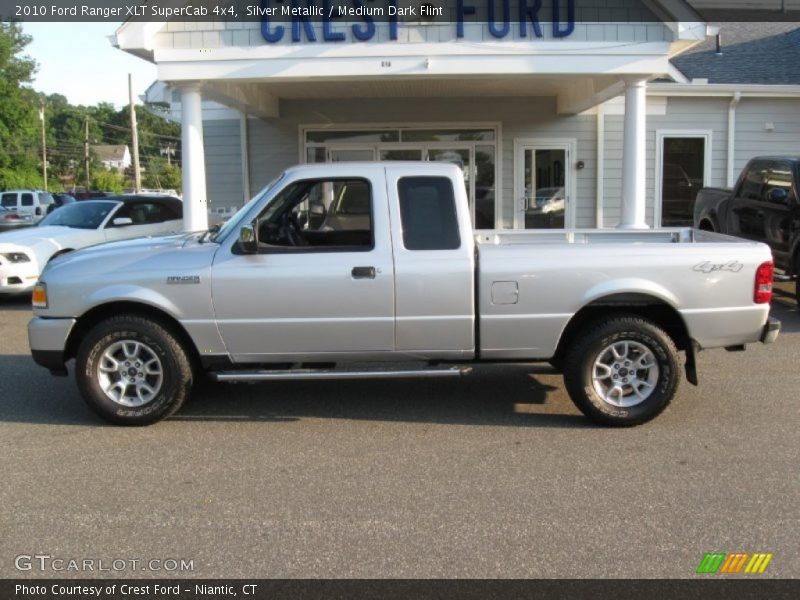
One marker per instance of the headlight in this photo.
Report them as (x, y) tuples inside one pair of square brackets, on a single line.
[(39, 298), (16, 257)]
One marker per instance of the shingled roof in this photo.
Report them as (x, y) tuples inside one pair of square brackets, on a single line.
[(110, 152), (765, 53)]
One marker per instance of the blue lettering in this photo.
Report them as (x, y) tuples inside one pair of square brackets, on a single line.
[(308, 26), (530, 13), (393, 21), (499, 32), (461, 11), (328, 34), (363, 33), (271, 36), (570, 24)]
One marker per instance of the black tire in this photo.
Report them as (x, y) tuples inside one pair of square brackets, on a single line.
[(155, 341), (797, 280), (594, 343), (706, 225)]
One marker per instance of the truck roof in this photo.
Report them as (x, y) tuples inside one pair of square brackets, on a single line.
[(786, 157), (418, 166)]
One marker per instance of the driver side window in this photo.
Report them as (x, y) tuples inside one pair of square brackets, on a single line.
[(319, 215)]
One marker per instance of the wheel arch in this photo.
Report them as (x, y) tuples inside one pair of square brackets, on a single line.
[(61, 252), (707, 224), (647, 306), (101, 312)]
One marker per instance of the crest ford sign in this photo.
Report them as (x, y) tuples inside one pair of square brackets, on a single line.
[(295, 20)]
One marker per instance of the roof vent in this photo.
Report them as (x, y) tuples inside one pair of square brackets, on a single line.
[(718, 38)]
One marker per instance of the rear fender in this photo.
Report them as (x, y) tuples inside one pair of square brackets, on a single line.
[(629, 285)]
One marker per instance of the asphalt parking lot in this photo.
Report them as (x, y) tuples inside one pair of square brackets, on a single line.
[(496, 475)]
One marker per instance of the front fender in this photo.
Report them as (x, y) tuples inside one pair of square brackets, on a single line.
[(132, 293)]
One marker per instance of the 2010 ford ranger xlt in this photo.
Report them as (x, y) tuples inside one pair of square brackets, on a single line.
[(335, 265)]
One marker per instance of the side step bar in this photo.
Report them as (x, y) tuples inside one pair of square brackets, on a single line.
[(299, 374)]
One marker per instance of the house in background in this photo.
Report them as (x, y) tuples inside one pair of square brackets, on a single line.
[(594, 124), (116, 156)]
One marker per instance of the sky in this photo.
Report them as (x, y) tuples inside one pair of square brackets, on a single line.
[(77, 61)]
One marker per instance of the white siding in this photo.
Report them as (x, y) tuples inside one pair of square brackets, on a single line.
[(752, 137), (223, 163), (690, 114)]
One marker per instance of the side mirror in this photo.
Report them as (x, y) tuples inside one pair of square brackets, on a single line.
[(122, 221), (248, 239), (778, 195)]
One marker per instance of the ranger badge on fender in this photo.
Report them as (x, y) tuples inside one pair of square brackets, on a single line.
[(183, 279)]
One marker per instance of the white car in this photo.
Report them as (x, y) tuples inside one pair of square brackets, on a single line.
[(24, 253), (27, 203)]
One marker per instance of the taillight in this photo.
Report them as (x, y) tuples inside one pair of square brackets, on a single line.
[(762, 289)]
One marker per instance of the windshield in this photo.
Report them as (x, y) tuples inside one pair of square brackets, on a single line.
[(80, 215), (232, 223)]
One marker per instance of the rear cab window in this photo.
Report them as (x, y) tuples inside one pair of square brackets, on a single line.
[(428, 213), (753, 182), (26, 199), (9, 200), (779, 176)]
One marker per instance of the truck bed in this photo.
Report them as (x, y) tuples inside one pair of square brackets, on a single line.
[(677, 235), (530, 284)]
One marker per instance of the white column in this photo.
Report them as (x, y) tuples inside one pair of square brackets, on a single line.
[(193, 161), (633, 157)]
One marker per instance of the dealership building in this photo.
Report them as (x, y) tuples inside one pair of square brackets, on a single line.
[(592, 113)]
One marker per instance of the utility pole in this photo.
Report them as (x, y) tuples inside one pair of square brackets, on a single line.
[(86, 150), (169, 151), (44, 146), (137, 174)]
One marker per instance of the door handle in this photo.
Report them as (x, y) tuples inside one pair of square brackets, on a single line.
[(363, 272)]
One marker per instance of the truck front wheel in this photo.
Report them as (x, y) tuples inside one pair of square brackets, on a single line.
[(623, 371), (132, 370)]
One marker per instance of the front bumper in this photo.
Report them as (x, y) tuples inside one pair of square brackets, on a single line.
[(18, 278), (771, 330), (48, 341)]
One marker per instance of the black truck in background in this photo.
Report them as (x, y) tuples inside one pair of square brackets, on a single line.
[(763, 206)]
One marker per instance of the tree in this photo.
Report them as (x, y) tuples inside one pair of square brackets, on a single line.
[(19, 146), (160, 175), (20, 133), (107, 180)]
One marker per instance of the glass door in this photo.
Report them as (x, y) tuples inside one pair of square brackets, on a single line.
[(683, 173), (542, 185)]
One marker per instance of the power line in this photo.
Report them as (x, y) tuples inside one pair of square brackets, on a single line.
[(120, 128)]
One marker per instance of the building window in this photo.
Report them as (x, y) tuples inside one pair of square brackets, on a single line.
[(682, 170), (474, 150)]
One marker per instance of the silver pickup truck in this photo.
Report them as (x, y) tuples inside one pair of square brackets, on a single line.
[(336, 265)]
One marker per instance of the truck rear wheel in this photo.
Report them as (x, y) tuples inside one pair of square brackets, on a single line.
[(622, 372), (797, 279), (132, 370)]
